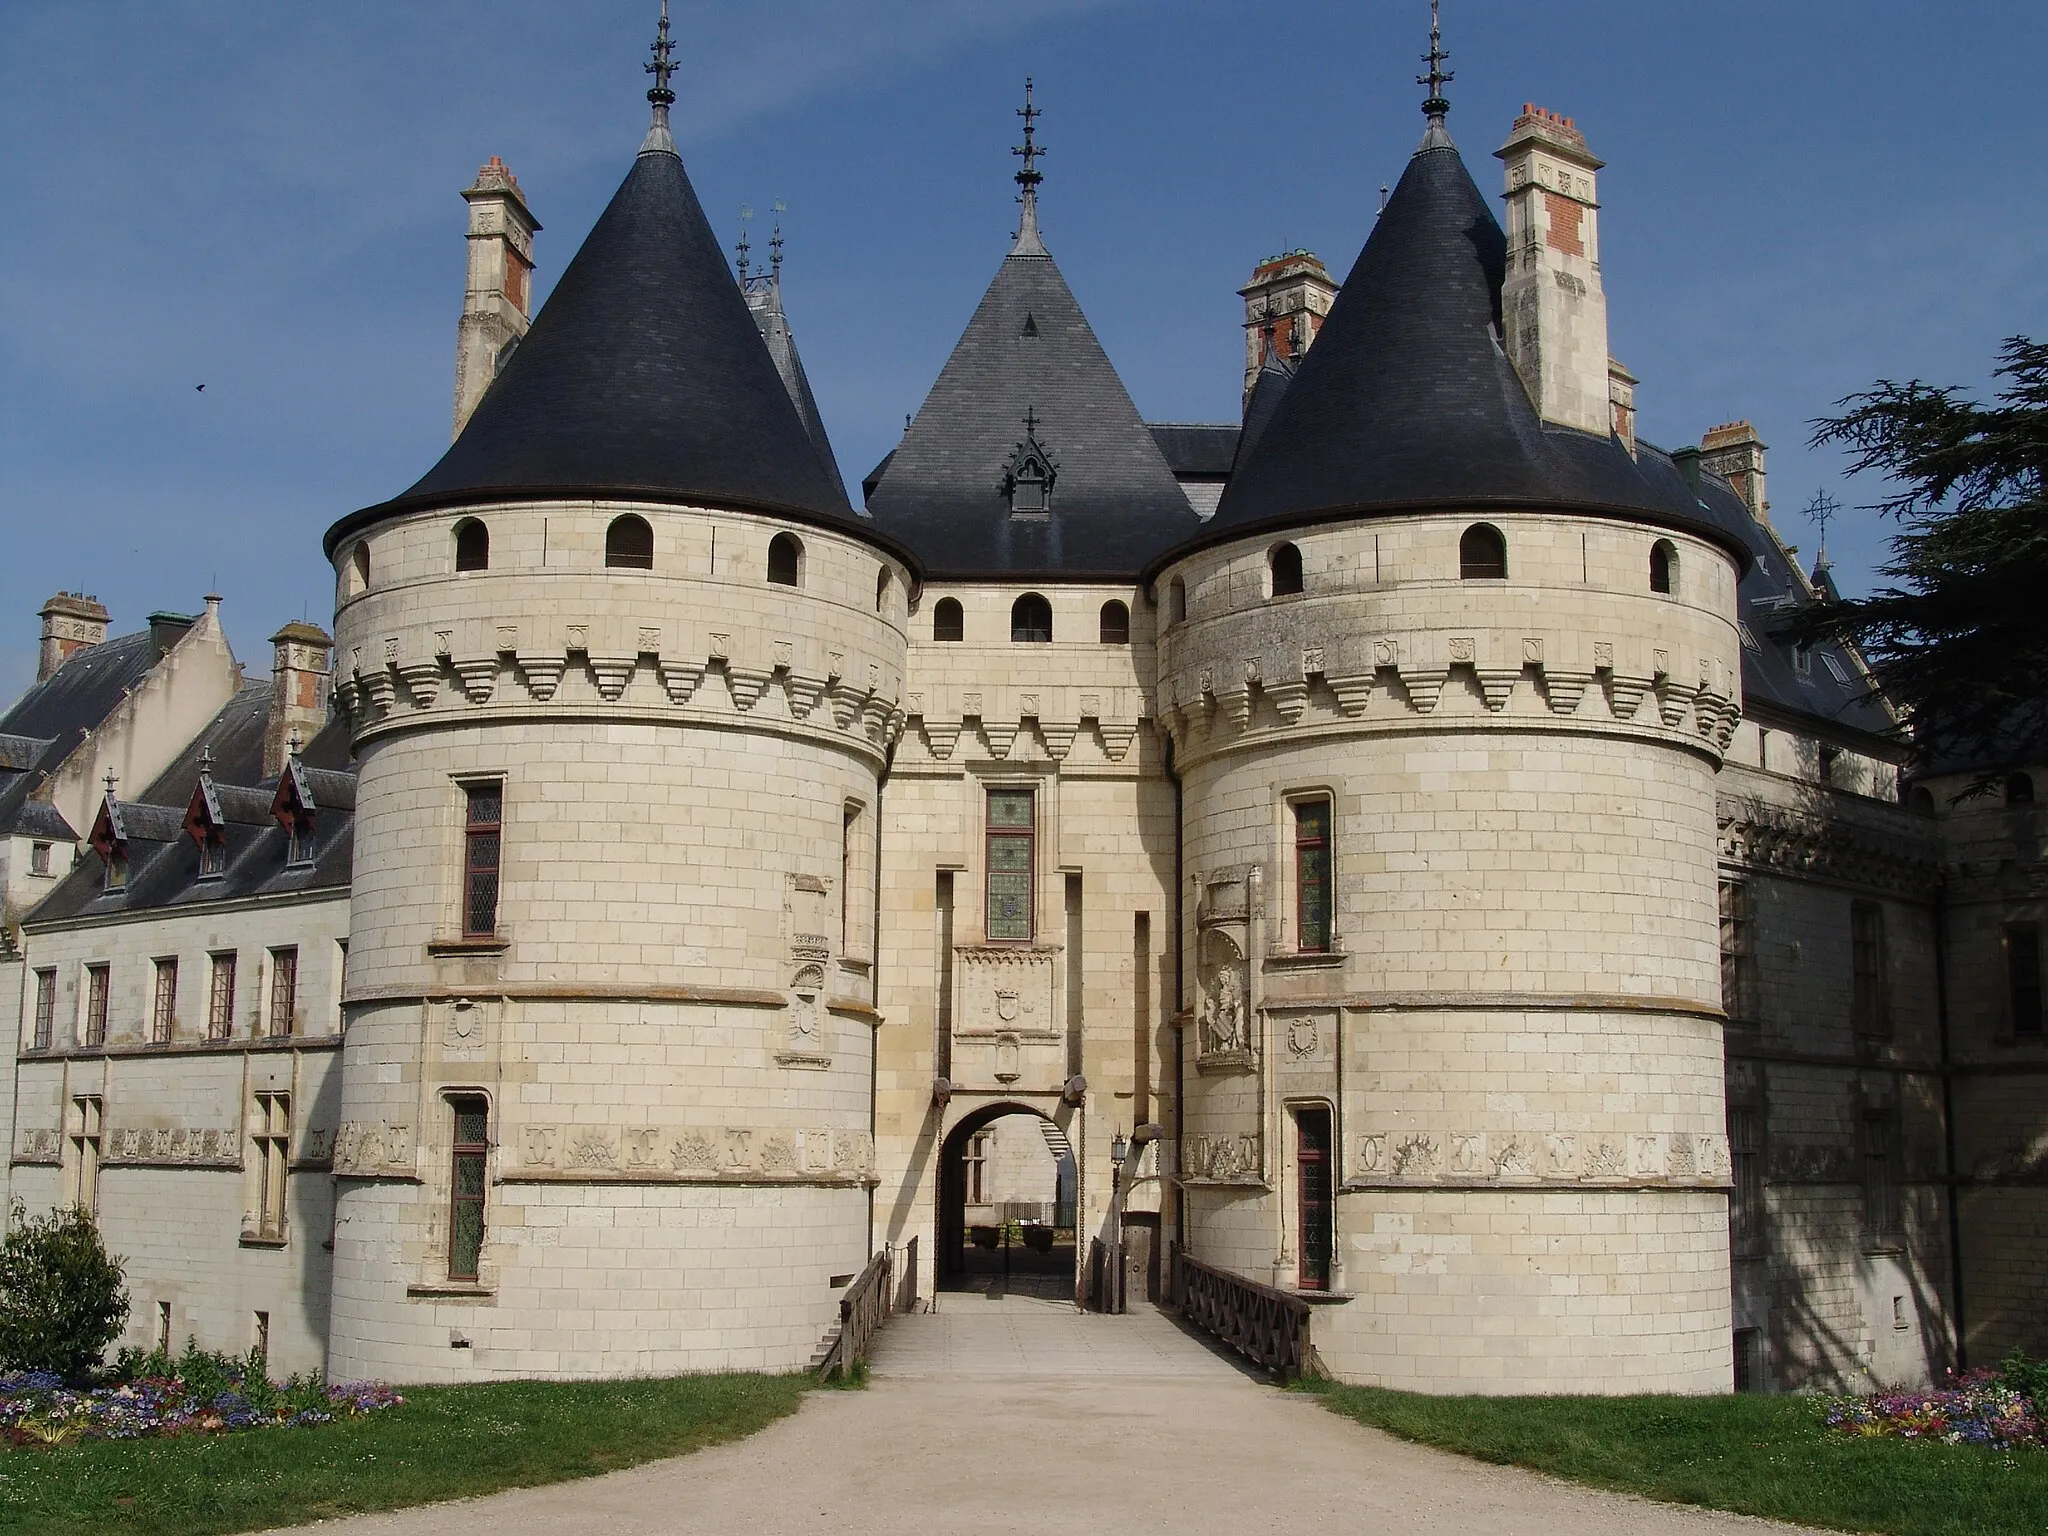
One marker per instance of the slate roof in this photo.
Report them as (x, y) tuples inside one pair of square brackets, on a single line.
[(764, 300), (643, 378), (1275, 374), (1407, 399), (47, 723), (1029, 348), (1199, 449), (163, 862)]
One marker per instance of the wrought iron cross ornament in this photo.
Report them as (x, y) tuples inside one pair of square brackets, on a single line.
[(1030, 176)]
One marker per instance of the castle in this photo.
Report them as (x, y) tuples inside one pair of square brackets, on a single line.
[(1384, 845)]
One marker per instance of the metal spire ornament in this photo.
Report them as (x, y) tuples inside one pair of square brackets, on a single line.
[(1028, 178), (659, 140), (1437, 106)]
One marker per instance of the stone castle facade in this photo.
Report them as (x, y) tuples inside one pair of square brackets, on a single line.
[(1393, 814)]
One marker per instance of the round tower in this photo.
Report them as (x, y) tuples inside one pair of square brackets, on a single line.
[(621, 671), (1448, 684)]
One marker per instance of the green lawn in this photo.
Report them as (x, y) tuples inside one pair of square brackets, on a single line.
[(1757, 1455), (441, 1443)]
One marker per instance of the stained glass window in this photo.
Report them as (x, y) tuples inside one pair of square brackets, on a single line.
[(1011, 832)]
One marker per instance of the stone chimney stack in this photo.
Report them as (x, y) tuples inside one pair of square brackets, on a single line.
[(495, 307), (299, 678), (1553, 307), (71, 622), (1736, 454), (1287, 299)]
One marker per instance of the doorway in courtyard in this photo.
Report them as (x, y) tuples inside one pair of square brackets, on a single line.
[(1006, 1206)]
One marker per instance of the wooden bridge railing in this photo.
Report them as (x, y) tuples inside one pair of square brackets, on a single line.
[(1268, 1327), (867, 1304)]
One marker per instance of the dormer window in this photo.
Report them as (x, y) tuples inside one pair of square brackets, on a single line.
[(1029, 477), (109, 839), (293, 808), (205, 824)]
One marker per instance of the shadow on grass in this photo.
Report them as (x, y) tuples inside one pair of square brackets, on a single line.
[(1753, 1455), (441, 1443)]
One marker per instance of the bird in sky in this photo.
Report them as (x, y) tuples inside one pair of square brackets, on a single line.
[(202, 388)]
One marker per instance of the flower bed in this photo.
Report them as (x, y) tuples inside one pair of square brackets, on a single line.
[(37, 1409), (1976, 1408)]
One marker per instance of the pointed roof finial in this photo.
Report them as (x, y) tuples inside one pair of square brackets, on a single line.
[(1436, 107), (775, 244), (659, 140), (743, 250), (1821, 511), (295, 742), (111, 782), (1028, 178), (206, 761)]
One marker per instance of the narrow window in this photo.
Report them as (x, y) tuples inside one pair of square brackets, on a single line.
[(1312, 875), (483, 826), (97, 985), (1031, 619), (46, 1008), (85, 1153), (1869, 1006), (273, 1139), (213, 854), (2022, 970), (284, 991), (340, 985), (260, 1335), (1802, 659), (2019, 789), (976, 1159), (1738, 960), (1882, 1215), (472, 546), (163, 1013), (882, 590), (1746, 1160), (848, 830), (163, 1326), (39, 858), (1011, 832), (1176, 601), (1284, 565), (785, 560), (1116, 623), (220, 998), (629, 544), (299, 842), (471, 1150), (948, 622), (1482, 554), (359, 564), (1663, 567), (1830, 759), (1317, 1208)]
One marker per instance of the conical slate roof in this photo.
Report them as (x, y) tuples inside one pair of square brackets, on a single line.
[(765, 303), (643, 378), (1407, 398), (1029, 351)]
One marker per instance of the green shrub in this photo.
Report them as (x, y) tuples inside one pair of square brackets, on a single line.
[(62, 1300), (2027, 1377)]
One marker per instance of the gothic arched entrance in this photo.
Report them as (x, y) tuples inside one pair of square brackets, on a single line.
[(1007, 1188)]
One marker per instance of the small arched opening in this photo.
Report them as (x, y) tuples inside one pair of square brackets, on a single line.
[(882, 590), (1482, 554), (1176, 601), (472, 546), (1664, 567), (786, 560), (949, 623), (359, 569), (2019, 789), (1031, 620), (1283, 567), (629, 544), (1920, 801), (1007, 1190), (1116, 623)]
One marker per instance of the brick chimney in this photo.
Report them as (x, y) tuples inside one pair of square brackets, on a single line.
[(495, 308), (300, 672), (1735, 453), (71, 622), (1287, 299), (1553, 306)]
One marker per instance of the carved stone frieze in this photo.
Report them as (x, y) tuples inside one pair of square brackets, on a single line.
[(173, 1146), (372, 1148), (43, 1144), (1231, 1158), (1460, 1157), (1006, 989), (690, 1154), (1794, 842)]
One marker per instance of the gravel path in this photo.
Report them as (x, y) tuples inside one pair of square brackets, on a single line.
[(1019, 1416)]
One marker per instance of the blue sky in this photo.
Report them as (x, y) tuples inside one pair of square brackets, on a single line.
[(1800, 198)]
